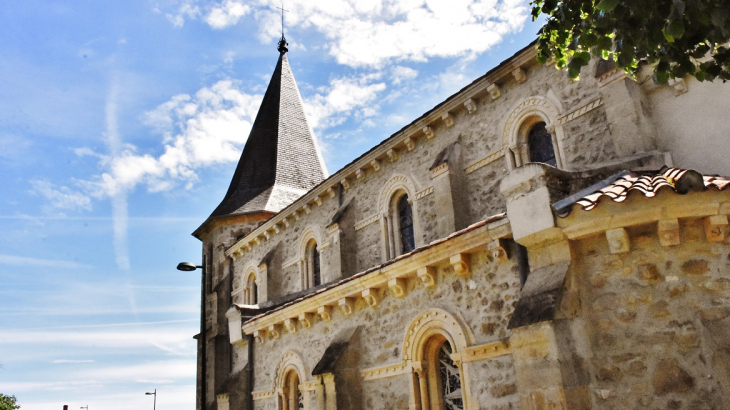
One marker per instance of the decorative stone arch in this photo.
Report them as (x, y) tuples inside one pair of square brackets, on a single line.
[(289, 362), (440, 326), (518, 124), (305, 269), (397, 186), (240, 283)]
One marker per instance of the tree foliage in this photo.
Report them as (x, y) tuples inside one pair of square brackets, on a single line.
[(8, 402), (680, 37)]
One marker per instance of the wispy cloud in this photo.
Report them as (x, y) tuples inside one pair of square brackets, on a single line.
[(61, 197), (14, 260), (226, 14), (72, 361)]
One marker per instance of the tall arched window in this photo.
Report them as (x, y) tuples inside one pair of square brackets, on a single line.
[(312, 265), (440, 379), (292, 397), (540, 145), (405, 224)]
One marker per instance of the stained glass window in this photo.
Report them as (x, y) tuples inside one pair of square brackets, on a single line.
[(540, 143), (316, 276), (450, 380), (405, 224)]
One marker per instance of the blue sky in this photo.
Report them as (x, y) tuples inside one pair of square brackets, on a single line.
[(120, 127)]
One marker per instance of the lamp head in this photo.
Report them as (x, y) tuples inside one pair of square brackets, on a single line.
[(186, 266)]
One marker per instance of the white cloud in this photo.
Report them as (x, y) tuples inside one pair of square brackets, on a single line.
[(61, 197), (226, 14), (71, 361), (373, 33), (344, 96), (401, 73), (14, 260)]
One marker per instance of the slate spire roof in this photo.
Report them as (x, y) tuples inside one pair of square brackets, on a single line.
[(280, 161)]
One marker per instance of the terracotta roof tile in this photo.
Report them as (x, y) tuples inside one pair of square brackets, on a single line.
[(649, 184)]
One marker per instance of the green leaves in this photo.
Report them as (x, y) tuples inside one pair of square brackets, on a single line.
[(675, 37), (607, 5)]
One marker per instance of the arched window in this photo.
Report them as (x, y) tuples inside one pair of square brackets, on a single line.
[(312, 265), (405, 224), (250, 292), (440, 380), (540, 145), (292, 397)]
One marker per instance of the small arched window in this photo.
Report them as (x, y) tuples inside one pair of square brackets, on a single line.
[(312, 264), (540, 145), (405, 224), (250, 292)]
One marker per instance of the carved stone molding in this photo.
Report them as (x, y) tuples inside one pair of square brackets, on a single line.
[(426, 192), (291, 325), (460, 263), (448, 120), (367, 221), (519, 75), (427, 274), (360, 174), (262, 395), (388, 370), (409, 142), (393, 155), (439, 170), (494, 91), (375, 164), (331, 191), (470, 105), (398, 287), (274, 331), (347, 305), (325, 313), (428, 132), (583, 109), (371, 296), (306, 319), (491, 157), (486, 351)]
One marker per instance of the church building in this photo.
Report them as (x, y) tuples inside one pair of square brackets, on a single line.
[(532, 242)]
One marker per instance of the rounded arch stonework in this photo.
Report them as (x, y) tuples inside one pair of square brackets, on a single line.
[(518, 123), (396, 183), (309, 233), (288, 361), (432, 322)]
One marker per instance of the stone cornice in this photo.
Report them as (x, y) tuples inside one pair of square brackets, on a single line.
[(392, 275), (400, 143)]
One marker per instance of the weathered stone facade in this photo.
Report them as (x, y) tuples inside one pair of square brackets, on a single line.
[(623, 306)]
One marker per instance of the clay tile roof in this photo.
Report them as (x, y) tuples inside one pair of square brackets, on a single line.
[(649, 184)]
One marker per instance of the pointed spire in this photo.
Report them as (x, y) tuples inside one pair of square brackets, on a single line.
[(280, 161)]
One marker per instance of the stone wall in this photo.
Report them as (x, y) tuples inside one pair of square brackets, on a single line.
[(645, 315)]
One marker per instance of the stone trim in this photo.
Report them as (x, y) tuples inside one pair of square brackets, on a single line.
[(389, 370), (367, 221), (584, 109), (424, 193), (486, 351), (263, 394), (491, 157), (400, 271)]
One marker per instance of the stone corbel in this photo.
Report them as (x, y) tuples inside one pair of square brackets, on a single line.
[(275, 331), (259, 335), (256, 240), (393, 155), (715, 226), (296, 215), (375, 164), (267, 234), (678, 85), (428, 132), (330, 192), (360, 174), (306, 319), (460, 263), (318, 200), (519, 75), (286, 222), (427, 274), (618, 240), (409, 142), (276, 227), (494, 91), (307, 209), (371, 296), (398, 287), (498, 250), (291, 325), (470, 105), (345, 184), (448, 119), (347, 305), (668, 232), (237, 253), (246, 246), (325, 313)]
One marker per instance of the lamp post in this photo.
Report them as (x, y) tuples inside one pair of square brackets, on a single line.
[(154, 403), (189, 267)]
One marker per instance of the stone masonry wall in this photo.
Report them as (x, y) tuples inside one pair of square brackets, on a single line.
[(484, 302), (645, 315)]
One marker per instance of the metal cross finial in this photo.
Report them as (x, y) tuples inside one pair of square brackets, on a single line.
[(282, 18)]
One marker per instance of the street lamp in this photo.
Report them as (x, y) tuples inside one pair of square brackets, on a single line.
[(154, 404), (189, 267)]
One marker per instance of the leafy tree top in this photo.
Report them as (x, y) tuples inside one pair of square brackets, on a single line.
[(8, 402), (681, 37)]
